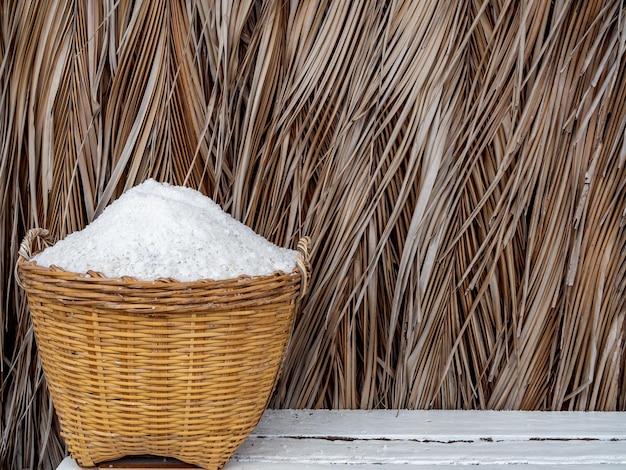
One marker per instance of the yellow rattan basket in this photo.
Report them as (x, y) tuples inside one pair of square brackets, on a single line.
[(177, 369)]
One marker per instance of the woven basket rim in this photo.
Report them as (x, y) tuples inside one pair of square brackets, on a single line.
[(26, 263), (96, 276)]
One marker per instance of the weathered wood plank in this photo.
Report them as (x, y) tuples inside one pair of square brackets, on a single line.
[(428, 440), (316, 450), (69, 464), (443, 425), (234, 465)]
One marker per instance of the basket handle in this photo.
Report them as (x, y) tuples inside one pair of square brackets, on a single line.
[(25, 253), (304, 263), (26, 247)]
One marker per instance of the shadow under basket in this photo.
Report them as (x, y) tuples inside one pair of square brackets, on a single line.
[(167, 368)]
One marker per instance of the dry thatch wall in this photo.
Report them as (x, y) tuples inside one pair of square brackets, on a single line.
[(460, 165)]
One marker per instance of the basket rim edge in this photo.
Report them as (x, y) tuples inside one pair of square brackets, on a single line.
[(93, 276)]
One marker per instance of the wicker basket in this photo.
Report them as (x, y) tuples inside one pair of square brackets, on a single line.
[(178, 369)]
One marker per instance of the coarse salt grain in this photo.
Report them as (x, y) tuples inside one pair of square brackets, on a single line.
[(156, 230)]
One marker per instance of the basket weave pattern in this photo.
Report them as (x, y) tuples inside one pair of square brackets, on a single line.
[(178, 369)]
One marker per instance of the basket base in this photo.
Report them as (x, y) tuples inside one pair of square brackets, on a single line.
[(145, 463)]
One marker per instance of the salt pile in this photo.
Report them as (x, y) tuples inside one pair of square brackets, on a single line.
[(158, 230)]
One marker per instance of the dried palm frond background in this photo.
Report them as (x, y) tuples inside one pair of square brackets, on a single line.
[(460, 166)]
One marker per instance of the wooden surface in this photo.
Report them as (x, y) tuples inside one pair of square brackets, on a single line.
[(421, 440)]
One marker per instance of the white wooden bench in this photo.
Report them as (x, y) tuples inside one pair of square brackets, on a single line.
[(420, 440)]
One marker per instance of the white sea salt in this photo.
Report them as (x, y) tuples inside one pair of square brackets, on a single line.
[(158, 230)]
